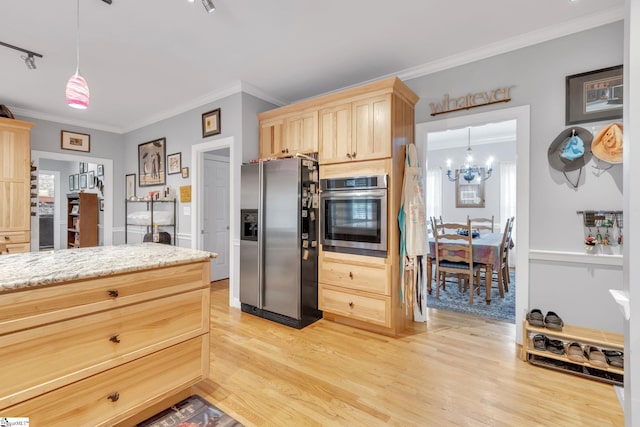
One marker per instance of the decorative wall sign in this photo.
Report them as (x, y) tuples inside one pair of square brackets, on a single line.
[(151, 163), (185, 194), (471, 100), (594, 96)]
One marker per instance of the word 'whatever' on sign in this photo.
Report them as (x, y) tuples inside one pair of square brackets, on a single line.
[(471, 100)]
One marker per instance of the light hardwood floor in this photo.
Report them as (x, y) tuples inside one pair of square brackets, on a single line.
[(457, 371)]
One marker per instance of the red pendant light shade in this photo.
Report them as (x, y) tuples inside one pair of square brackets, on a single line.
[(77, 92)]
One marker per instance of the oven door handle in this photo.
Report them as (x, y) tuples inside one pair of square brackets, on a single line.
[(346, 195)]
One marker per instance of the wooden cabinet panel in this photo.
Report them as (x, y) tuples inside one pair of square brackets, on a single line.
[(82, 220), (111, 396), (15, 175), (37, 306), (14, 248), (14, 237), (368, 308), (271, 138), (89, 344), (301, 134), (371, 128), (335, 133)]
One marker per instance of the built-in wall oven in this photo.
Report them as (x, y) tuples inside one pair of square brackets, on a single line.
[(354, 215)]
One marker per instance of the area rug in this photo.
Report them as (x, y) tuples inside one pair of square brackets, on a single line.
[(499, 309), (193, 411)]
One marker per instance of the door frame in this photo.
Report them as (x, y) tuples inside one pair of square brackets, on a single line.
[(57, 197), (197, 176), (216, 158), (522, 115), (107, 226)]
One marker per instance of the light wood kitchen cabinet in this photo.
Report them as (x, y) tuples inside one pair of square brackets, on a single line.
[(335, 133), (114, 345), (271, 137), (15, 185)]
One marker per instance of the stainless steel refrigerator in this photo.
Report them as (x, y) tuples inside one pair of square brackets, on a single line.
[(279, 241)]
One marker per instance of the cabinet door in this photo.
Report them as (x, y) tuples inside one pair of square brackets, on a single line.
[(335, 134), (371, 138), (271, 138), (301, 134), (15, 155)]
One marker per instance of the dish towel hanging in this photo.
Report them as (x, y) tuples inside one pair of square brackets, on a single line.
[(412, 221)]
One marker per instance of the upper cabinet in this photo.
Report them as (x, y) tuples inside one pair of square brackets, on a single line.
[(15, 185), (351, 125)]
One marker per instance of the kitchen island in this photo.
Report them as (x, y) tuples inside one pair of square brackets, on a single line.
[(93, 336)]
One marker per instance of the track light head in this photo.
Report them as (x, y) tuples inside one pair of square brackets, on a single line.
[(208, 5), (30, 61)]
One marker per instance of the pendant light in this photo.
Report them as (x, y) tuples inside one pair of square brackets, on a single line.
[(77, 91)]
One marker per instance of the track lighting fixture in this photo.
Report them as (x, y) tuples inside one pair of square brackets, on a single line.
[(208, 5), (29, 60)]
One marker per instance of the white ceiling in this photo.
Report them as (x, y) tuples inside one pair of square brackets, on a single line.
[(146, 60)]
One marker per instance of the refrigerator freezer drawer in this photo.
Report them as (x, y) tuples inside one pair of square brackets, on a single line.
[(249, 273)]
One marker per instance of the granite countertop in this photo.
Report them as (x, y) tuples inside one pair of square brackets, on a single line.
[(44, 268)]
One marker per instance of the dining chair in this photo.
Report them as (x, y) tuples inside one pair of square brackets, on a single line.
[(507, 243), (454, 255), (432, 257), (481, 223)]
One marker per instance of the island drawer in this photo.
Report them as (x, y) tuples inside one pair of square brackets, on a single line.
[(14, 248), (117, 394), (369, 308), (30, 307), (369, 278), (88, 344)]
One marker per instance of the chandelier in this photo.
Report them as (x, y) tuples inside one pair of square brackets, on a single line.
[(470, 171)]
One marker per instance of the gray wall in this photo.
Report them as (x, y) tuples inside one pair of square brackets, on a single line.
[(577, 289)]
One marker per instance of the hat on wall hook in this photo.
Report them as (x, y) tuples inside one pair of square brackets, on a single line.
[(570, 151)]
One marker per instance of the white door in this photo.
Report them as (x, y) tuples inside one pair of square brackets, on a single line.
[(215, 215)]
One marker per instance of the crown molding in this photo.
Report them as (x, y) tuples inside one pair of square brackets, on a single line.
[(64, 120), (514, 43), (259, 93)]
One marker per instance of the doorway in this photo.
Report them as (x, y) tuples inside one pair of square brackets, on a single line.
[(522, 116), (198, 154), (215, 211), (48, 214)]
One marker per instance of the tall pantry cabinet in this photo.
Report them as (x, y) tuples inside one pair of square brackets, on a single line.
[(15, 185)]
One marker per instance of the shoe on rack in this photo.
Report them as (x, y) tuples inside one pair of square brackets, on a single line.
[(614, 358), (575, 352), (596, 357), (553, 321), (535, 318), (555, 346), (540, 342)]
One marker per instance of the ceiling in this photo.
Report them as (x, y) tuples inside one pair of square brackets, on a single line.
[(146, 60)]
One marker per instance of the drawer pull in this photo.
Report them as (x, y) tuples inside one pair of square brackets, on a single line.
[(351, 275), (113, 293), (353, 155), (351, 304), (348, 155), (6, 237), (114, 339), (114, 397)]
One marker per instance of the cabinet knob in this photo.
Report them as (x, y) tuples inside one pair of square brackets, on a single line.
[(113, 293), (115, 339), (282, 151), (348, 155), (351, 275), (114, 397), (6, 237), (353, 155), (351, 304)]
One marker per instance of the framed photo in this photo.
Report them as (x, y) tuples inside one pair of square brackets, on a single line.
[(130, 185), (185, 172), (211, 123), (71, 187), (102, 204), (82, 167), (469, 194), (83, 180), (75, 141), (76, 182), (594, 96), (91, 180), (151, 163), (100, 170), (174, 163)]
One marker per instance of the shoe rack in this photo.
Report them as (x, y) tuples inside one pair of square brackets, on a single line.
[(586, 338)]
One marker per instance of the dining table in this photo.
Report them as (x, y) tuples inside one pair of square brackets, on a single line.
[(486, 251)]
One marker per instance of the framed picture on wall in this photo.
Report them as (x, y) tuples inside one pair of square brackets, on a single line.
[(71, 187), (130, 185), (76, 182), (75, 141), (100, 170), (151, 163), (91, 180), (594, 96), (174, 163), (211, 123), (83, 180)]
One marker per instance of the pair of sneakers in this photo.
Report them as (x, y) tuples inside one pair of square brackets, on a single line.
[(551, 320)]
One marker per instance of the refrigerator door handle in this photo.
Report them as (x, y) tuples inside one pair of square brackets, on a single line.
[(260, 235)]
